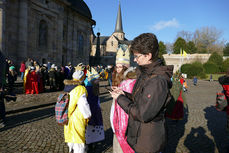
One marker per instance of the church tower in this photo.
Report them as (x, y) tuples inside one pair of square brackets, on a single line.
[(109, 45), (118, 27)]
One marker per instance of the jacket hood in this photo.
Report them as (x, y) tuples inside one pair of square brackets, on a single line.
[(130, 73), (70, 85), (157, 68)]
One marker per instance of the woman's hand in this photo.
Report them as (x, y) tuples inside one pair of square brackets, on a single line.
[(114, 87), (116, 92)]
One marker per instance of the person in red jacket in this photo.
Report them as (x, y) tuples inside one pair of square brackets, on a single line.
[(224, 81), (22, 69), (32, 82)]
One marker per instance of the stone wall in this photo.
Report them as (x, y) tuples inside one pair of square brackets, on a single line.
[(177, 60), (66, 30), (112, 44)]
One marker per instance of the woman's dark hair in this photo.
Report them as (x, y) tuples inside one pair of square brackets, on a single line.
[(117, 78), (144, 44)]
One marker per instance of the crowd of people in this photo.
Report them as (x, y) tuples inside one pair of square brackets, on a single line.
[(38, 78), (141, 96)]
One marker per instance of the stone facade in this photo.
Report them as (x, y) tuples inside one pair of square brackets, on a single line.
[(177, 60), (114, 40), (109, 44), (46, 30)]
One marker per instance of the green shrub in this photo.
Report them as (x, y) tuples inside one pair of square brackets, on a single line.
[(216, 58), (185, 68), (211, 68), (225, 65), (202, 75), (194, 69)]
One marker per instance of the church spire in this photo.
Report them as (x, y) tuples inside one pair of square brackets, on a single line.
[(118, 27)]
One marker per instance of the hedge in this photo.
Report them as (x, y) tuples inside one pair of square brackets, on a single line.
[(194, 69), (225, 65), (211, 68)]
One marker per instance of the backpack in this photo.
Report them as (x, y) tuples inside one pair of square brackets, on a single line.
[(221, 101), (173, 95), (61, 109)]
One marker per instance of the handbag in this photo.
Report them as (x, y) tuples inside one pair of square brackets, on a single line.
[(221, 101)]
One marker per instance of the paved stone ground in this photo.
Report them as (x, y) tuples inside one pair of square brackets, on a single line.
[(31, 125), (203, 128)]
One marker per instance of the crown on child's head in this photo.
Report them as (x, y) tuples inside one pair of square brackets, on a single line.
[(80, 66), (93, 74), (123, 55)]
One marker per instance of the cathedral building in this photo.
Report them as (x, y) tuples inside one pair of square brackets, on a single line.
[(106, 46), (58, 31)]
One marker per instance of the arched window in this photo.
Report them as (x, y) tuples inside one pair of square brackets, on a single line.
[(80, 44), (43, 33)]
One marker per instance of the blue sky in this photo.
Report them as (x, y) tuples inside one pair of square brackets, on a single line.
[(165, 18)]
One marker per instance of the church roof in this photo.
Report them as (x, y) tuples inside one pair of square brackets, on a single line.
[(103, 40), (81, 7)]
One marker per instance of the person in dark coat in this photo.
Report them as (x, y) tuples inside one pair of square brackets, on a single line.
[(60, 78), (146, 105), (12, 77), (52, 78), (224, 81), (44, 75), (2, 84)]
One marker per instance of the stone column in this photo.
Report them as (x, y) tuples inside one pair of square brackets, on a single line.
[(2, 26), (97, 53), (60, 39), (22, 52)]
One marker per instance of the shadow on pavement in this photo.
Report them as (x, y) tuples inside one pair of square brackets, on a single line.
[(103, 146), (29, 108), (216, 122), (24, 118), (198, 142), (175, 130)]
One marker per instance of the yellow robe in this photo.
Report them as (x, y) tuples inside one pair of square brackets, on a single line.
[(25, 75), (74, 131)]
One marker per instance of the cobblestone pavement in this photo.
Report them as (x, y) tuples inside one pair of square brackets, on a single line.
[(31, 125)]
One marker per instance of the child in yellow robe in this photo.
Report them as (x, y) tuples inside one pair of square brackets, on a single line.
[(78, 113)]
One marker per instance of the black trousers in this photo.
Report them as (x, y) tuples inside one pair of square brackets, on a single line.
[(228, 122), (2, 109)]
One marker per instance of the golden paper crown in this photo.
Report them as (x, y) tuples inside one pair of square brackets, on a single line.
[(80, 66), (93, 74), (123, 55)]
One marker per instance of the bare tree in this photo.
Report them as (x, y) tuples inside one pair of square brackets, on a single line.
[(207, 40), (169, 47), (186, 35)]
